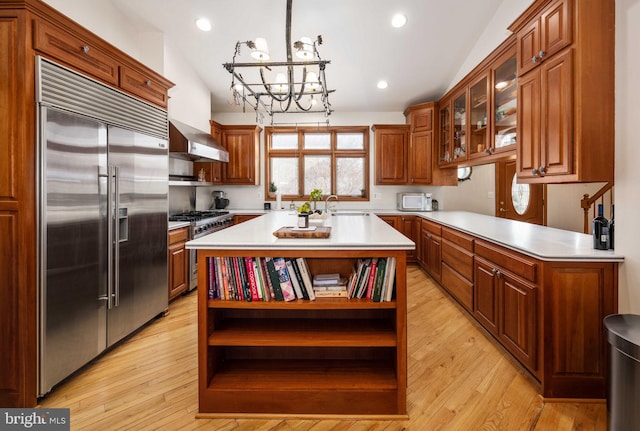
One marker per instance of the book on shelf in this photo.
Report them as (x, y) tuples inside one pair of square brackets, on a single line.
[(275, 280), (306, 276), (251, 279), (331, 293), (320, 279), (389, 279), (379, 281), (295, 281), (285, 280)]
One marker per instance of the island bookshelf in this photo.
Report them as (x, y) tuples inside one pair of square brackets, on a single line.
[(329, 356)]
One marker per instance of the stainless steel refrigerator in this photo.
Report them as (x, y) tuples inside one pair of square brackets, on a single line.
[(103, 218)]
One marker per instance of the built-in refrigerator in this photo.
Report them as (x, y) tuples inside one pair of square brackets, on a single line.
[(103, 218)]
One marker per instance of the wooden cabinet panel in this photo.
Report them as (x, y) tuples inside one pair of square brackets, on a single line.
[(420, 158), (547, 34), (9, 81), (458, 238), (458, 259), (240, 218), (243, 144), (510, 260), (556, 147), (529, 130), (143, 86), (458, 286), (409, 229), (391, 146), (485, 293), (518, 318), (75, 52), (430, 254), (578, 296), (391, 221), (178, 262)]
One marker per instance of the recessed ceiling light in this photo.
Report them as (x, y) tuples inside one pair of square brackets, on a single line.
[(382, 84), (398, 20), (203, 24)]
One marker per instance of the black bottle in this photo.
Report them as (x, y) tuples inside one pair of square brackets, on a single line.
[(611, 231), (600, 230)]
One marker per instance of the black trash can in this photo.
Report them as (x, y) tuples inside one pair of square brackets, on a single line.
[(623, 392)]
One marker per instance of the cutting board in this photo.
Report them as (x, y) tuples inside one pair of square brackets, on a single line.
[(292, 232)]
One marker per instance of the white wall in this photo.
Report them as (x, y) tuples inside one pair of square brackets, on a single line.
[(627, 175)]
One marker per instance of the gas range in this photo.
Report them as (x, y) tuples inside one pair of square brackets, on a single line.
[(204, 222)]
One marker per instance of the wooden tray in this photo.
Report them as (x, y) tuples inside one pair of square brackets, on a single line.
[(291, 232)]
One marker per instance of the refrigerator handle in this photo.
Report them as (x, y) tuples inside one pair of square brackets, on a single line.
[(110, 217), (116, 242)]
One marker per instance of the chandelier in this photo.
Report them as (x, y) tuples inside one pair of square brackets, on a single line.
[(277, 87)]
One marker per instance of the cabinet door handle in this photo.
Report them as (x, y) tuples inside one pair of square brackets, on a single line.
[(148, 83), (429, 235), (541, 54), (534, 172), (494, 271), (542, 170), (534, 59), (498, 274), (85, 49)]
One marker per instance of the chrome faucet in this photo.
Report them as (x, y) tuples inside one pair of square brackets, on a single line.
[(328, 208)]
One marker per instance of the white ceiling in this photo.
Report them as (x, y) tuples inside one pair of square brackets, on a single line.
[(419, 60)]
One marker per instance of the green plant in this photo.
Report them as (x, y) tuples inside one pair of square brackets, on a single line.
[(304, 208), (272, 187), (316, 194)]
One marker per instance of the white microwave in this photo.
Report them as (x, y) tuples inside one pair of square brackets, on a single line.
[(414, 201)]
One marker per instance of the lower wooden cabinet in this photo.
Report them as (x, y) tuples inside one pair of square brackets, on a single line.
[(239, 218), (507, 307), (546, 314), (409, 226), (178, 262), (430, 253)]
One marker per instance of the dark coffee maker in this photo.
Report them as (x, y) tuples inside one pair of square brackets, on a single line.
[(220, 200)]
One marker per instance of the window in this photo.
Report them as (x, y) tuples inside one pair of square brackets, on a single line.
[(333, 159)]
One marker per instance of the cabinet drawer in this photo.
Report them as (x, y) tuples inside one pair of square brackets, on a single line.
[(458, 286), (177, 235), (509, 260), (75, 52), (142, 86), (432, 227), (463, 240), (458, 259)]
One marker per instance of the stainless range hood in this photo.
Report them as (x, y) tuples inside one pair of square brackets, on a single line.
[(192, 144)]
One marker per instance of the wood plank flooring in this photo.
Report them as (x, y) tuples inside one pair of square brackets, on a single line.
[(458, 380)]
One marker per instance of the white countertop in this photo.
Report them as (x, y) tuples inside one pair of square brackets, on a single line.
[(541, 242), (178, 224), (349, 232)]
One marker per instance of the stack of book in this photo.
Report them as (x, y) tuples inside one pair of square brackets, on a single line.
[(330, 286), (259, 279), (373, 279)]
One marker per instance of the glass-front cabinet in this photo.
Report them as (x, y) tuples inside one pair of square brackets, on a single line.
[(479, 110), (444, 140), (460, 127), (505, 102)]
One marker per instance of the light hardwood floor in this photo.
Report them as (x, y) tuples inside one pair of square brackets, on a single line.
[(458, 380)]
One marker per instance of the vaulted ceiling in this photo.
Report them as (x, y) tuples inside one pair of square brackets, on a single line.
[(418, 60)]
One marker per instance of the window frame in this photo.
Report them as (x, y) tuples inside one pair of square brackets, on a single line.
[(332, 152)]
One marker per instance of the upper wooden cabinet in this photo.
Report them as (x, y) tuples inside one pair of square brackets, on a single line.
[(566, 96), (243, 144), (544, 35), (477, 118), (81, 50), (391, 153)]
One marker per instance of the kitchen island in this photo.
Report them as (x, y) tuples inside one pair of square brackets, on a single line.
[(333, 356)]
